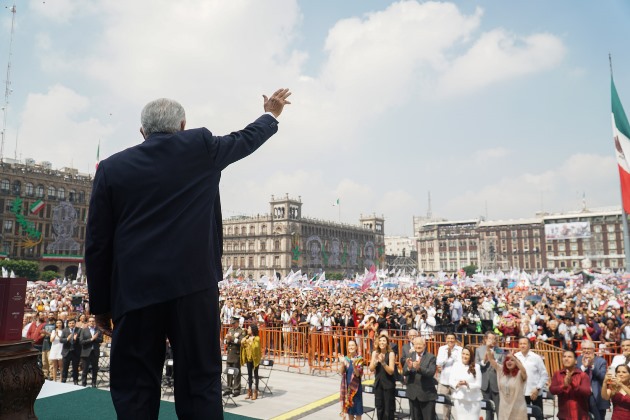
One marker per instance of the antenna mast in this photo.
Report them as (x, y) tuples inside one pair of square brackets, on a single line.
[(7, 88)]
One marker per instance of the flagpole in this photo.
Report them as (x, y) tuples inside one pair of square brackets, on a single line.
[(624, 215)]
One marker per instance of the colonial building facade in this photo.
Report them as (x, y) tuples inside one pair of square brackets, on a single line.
[(43, 213), (548, 241), (284, 240)]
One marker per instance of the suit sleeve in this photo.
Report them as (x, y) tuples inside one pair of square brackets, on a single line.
[(99, 245), (599, 369), (235, 146)]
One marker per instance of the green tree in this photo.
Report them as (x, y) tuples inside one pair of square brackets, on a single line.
[(470, 270), (21, 268), (48, 275)]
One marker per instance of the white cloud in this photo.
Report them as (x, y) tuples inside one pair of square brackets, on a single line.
[(59, 114), (559, 188), (482, 156), (498, 56)]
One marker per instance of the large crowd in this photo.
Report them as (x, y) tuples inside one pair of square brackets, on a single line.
[(572, 317)]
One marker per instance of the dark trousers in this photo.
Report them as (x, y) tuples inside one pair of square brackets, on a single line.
[(492, 396), (234, 381), (71, 357), (385, 402), (89, 363), (191, 324), (252, 370), (422, 410), (538, 402)]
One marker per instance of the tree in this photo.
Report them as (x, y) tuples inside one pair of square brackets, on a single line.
[(470, 270), (48, 275), (21, 268)]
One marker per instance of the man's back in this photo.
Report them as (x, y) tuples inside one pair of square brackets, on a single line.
[(158, 207)]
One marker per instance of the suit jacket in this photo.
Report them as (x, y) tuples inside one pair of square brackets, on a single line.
[(598, 375), (154, 230), (421, 383), (488, 374), (87, 345), (69, 343), (406, 352)]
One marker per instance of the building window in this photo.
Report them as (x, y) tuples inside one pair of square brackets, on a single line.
[(81, 196), (276, 261), (51, 193), (263, 262), (243, 262), (610, 228), (276, 245), (39, 191), (28, 190), (229, 230), (252, 230), (61, 193), (8, 225), (72, 195), (250, 262), (5, 185), (612, 245), (6, 247), (263, 246)]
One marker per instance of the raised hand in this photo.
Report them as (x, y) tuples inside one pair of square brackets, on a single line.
[(276, 103)]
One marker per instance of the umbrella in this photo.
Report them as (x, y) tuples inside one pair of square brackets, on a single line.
[(534, 298)]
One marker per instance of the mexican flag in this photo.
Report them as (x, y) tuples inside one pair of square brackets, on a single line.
[(621, 136), (37, 206)]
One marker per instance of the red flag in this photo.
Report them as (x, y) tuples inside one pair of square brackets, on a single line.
[(369, 278)]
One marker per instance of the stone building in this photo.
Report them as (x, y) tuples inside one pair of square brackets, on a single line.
[(43, 213), (548, 241), (284, 240)]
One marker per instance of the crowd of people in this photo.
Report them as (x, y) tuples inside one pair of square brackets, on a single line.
[(586, 320)]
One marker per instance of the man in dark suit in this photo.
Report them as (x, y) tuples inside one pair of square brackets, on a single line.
[(421, 383), (70, 351), (595, 367), (153, 256), (90, 338), (489, 383)]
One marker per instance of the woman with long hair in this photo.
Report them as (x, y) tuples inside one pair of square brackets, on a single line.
[(351, 395), (465, 379), (250, 356), (617, 390), (511, 379), (55, 357), (383, 363)]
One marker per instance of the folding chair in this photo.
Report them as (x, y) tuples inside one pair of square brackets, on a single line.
[(534, 412), (266, 365), (168, 385), (368, 411), (489, 408), (546, 395), (445, 400), (226, 398), (401, 394), (102, 376)]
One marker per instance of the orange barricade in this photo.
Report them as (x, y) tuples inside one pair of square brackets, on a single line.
[(321, 350)]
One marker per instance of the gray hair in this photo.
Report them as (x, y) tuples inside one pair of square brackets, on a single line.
[(162, 116)]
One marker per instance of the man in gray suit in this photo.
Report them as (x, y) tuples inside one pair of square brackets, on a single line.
[(419, 370), (595, 368), (489, 385)]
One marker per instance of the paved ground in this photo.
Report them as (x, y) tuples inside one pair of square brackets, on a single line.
[(304, 396)]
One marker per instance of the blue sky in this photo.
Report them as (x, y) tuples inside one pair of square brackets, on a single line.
[(497, 107)]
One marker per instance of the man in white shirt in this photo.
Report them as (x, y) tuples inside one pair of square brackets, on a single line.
[(446, 358), (624, 357), (537, 376)]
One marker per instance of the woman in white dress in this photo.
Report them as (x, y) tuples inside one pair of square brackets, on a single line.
[(54, 357), (465, 379)]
